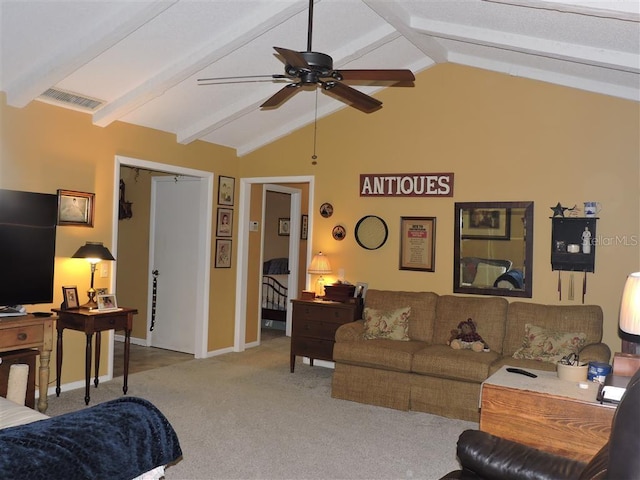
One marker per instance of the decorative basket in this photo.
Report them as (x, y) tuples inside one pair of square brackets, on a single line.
[(573, 373)]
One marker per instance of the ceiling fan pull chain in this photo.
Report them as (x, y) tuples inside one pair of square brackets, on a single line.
[(314, 157)]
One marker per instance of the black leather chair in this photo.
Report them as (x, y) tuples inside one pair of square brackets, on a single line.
[(485, 456)]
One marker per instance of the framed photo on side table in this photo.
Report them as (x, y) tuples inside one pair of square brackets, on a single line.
[(107, 302), (70, 297), (75, 208), (418, 243)]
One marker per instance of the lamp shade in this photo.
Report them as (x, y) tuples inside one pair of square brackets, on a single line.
[(93, 250), (630, 305), (320, 265)]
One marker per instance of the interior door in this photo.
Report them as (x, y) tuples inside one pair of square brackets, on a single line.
[(175, 234)]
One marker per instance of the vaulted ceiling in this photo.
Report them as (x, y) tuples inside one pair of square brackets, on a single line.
[(140, 60)]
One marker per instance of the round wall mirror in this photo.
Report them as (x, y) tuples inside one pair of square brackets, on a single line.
[(371, 232)]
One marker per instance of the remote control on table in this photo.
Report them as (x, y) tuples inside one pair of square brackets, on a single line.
[(522, 372)]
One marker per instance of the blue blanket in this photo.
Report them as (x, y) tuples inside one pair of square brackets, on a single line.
[(120, 439)]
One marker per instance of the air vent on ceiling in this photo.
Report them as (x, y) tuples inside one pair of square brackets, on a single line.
[(70, 99)]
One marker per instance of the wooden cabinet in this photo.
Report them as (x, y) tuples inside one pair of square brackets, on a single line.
[(30, 332), (568, 233), (314, 326), (546, 413)]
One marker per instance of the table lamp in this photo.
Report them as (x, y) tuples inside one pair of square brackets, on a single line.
[(630, 312), (320, 266), (93, 252)]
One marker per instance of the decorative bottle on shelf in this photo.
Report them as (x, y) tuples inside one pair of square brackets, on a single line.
[(586, 241)]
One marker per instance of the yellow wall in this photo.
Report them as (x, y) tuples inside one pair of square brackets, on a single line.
[(45, 148), (506, 139)]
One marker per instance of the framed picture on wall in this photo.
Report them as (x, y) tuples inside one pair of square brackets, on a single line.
[(226, 190), (75, 208), (225, 222), (304, 227), (284, 226), (418, 243), (223, 253), (486, 224)]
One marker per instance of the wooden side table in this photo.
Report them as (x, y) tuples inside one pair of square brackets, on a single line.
[(546, 413), (314, 325), (90, 322), (18, 333)]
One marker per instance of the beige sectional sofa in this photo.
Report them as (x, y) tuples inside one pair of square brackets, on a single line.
[(424, 374)]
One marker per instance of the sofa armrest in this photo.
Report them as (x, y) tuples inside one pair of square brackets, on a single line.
[(350, 332), (595, 352), (488, 456)]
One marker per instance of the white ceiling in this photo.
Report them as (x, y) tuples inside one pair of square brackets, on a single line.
[(142, 58)]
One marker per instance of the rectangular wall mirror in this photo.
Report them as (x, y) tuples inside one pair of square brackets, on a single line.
[(493, 250)]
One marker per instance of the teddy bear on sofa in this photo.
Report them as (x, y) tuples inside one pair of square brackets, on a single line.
[(466, 336)]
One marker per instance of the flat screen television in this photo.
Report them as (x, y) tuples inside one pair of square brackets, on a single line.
[(27, 247)]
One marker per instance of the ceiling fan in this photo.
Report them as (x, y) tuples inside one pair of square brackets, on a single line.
[(311, 68)]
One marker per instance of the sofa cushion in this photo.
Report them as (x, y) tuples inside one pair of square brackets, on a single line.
[(379, 353), (488, 313), (585, 319), (423, 309), (548, 345), (445, 362), (391, 324)]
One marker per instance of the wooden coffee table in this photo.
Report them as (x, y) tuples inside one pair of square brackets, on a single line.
[(546, 413)]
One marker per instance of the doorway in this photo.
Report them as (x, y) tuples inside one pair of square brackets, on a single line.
[(281, 204), (200, 185), (245, 223)]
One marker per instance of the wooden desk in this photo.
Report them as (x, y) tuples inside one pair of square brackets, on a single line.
[(546, 413), (17, 333), (90, 322)]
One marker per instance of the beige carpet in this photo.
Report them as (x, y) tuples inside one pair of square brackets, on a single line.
[(244, 416)]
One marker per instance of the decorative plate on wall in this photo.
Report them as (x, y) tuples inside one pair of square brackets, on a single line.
[(339, 232), (371, 232), (326, 210)]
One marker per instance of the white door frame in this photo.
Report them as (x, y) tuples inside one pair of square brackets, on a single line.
[(244, 205), (204, 245)]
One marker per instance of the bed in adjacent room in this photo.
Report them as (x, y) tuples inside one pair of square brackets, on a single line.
[(275, 290)]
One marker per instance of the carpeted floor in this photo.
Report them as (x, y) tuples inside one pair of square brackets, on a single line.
[(245, 416)]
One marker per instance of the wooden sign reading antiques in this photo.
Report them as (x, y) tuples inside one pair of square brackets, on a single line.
[(406, 185)]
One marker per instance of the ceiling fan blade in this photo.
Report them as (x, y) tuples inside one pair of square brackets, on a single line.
[(292, 57), (281, 95), (377, 75), (240, 79), (352, 96)]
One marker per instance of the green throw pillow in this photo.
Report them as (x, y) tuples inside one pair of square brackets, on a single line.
[(547, 345), (393, 325)]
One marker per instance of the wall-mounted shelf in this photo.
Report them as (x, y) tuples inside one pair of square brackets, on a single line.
[(569, 231)]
